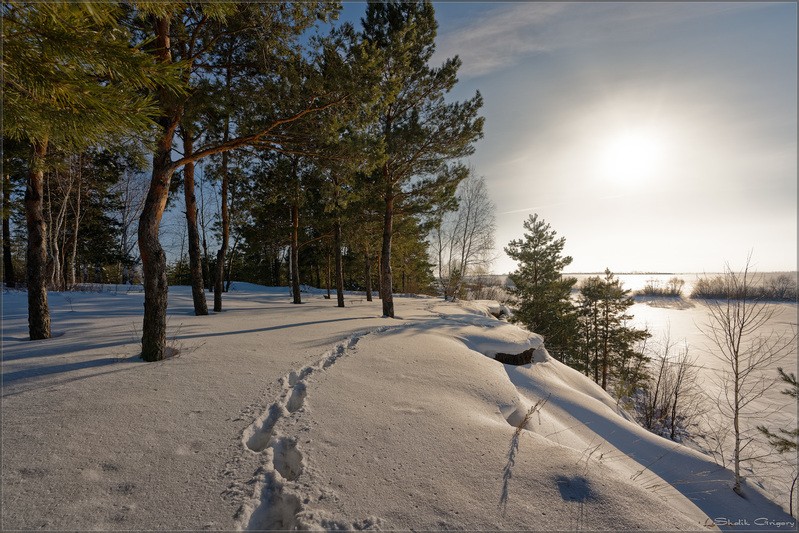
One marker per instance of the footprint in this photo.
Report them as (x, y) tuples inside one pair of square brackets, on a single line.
[(278, 509), (287, 459), (295, 376), (337, 352), (33, 473), (261, 431), (297, 399)]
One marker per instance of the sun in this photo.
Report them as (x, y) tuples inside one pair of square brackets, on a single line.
[(631, 156)]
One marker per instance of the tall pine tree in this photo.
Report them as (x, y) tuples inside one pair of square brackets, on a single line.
[(70, 79), (421, 132)]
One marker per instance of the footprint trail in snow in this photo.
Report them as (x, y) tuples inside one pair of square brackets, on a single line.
[(278, 497)]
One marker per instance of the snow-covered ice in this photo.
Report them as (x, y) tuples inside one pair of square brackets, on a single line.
[(278, 416)]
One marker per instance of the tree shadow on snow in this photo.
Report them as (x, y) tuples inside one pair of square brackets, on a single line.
[(271, 328), (38, 377), (574, 488)]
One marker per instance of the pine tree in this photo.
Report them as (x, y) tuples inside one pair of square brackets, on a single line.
[(420, 131), (608, 342), (341, 139), (785, 440), (267, 105), (71, 78), (541, 294)]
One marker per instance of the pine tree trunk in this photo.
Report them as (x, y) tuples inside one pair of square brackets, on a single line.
[(339, 266), (73, 254), (379, 284), (9, 276), (220, 256), (385, 257), (195, 261), (367, 274), (295, 252), (153, 259), (328, 281), (38, 311), (152, 254), (219, 280)]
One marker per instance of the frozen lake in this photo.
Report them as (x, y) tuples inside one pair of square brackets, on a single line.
[(774, 410)]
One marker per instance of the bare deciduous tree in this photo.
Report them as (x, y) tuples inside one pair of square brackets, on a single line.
[(672, 399), (736, 327), (131, 190), (463, 240)]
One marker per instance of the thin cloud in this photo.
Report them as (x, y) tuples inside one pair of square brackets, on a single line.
[(504, 36)]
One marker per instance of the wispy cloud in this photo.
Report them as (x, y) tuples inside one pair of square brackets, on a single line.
[(508, 34)]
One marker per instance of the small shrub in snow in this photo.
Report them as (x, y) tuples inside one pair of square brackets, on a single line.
[(672, 288)]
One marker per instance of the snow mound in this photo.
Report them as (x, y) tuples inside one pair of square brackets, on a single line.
[(415, 428), (490, 308), (279, 416)]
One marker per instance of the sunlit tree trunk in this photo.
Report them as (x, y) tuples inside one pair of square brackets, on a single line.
[(38, 311), (152, 254)]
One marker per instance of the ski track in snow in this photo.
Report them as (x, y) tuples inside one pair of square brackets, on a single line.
[(278, 498)]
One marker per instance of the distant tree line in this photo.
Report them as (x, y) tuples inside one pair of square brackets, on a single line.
[(333, 151), (781, 287), (777, 287)]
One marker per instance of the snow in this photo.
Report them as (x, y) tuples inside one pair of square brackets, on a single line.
[(276, 415)]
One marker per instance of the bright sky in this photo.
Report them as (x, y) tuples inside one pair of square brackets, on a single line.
[(653, 136)]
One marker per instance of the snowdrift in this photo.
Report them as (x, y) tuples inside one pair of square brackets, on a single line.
[(277, 416)]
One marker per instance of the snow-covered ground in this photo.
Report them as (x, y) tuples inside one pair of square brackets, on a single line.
[(278, 416)]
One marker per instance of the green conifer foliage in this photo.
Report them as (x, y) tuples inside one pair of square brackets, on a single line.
[(70, 78), (608, 342), (421, 132), (541, 294)]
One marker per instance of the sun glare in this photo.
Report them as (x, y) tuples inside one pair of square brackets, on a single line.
[(631, 156)]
